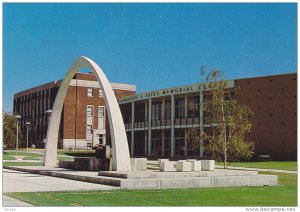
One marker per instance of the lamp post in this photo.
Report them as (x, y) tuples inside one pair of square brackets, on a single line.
[(17, 144), (27, 126)]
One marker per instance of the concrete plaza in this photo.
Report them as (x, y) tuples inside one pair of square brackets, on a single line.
[(152, 179), (16, 181)]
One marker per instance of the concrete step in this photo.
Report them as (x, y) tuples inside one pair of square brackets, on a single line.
[(112, 174), (160, 180), (158, 174), (199, 182), (72, 175), (99, 180), (153, 167)]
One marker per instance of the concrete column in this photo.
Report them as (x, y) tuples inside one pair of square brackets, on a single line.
[(146, 137), (185, 130), (149, 127), (163, 142), (146, 107), (163, 109), (146, 132), (132, 129), (185, 106), (185, 142), (172, 125), (201, 123)]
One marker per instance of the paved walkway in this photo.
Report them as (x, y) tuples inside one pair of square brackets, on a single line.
[(261, 170), (16, 181), (11, 202), (24, 161)]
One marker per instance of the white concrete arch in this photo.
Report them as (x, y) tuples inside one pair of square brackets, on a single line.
[(120, 150)]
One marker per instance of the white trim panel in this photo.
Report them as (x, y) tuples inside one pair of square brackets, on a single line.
[(70, 143), (95, 84)]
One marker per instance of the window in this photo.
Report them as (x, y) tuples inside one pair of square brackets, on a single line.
[(100, 112), (193, 106), (89, 110), (101, 124), (139, 113), (89, 129), (179, 108), (90, 92), (100, 93), (168, 110), (156, 111), (179, 141)]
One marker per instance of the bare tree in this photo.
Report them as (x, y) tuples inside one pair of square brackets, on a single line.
[(228, 121)]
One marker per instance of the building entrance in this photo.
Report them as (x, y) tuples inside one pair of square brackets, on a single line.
[(100, 139)]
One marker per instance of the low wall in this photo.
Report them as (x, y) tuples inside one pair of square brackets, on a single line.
[(87, 164)]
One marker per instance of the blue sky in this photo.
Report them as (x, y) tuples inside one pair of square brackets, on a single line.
[(151, 45)]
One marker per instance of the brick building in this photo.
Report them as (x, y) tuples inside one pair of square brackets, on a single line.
[(156, 122), (83, 122)]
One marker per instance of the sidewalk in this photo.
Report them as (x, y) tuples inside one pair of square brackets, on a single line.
[(256, 169), (24, 161), (11, 202)]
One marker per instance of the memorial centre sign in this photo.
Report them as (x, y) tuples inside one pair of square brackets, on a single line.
[(174, 90)]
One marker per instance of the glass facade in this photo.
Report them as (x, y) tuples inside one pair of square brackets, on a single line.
[(156, 111), (194, 106), (179, 108), (179, 142), (187, 114), (168, 109), (139, 144), (156, 142)]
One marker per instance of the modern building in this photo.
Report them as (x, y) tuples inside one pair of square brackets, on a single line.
[(156, 122)]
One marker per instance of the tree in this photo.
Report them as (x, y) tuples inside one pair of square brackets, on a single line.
[(10, 130), (228, 121)]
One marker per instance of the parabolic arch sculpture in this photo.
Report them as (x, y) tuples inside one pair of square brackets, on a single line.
[(120, 151)]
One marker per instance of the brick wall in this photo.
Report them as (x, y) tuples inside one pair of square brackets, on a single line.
[(75, 107), (273, 100)]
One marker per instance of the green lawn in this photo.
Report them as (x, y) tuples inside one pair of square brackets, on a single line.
[(67, 151), (283, 195), (282, 165), (18, 163), (32, 156), (8, 157), (27, 156)]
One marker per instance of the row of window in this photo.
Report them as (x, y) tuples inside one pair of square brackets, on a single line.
[(161, 145), (37, 94), (193, 110), (90, 92), (89, 123), (90, 111)]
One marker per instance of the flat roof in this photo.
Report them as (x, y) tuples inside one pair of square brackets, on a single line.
[(174, 90), (182, 89), (74, 82)]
